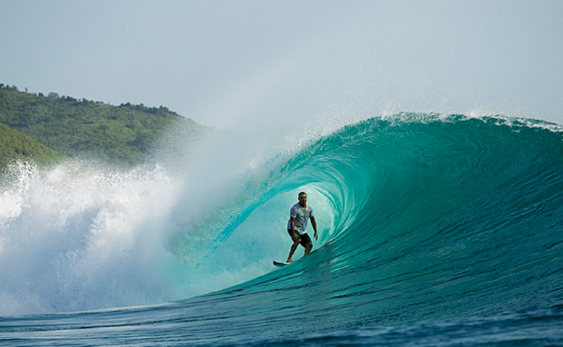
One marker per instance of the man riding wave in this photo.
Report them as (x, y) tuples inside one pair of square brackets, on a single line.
[(299, 214)]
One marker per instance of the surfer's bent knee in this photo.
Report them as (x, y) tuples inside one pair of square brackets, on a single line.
[(296, 240)]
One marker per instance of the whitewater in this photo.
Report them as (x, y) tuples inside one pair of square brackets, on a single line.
[(434, 230)]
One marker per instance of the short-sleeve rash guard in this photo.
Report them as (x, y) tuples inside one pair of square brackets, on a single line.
[(301, 216)]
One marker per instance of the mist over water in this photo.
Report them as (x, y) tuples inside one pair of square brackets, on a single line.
[(82, 236), (427, 222)]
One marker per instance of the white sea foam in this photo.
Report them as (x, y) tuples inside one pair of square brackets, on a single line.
[(80, 236), (72, 235)]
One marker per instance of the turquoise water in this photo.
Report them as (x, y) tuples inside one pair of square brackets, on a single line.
[(436, 229)]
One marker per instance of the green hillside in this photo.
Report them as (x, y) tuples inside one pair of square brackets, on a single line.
[(15, 145), (121, 135)]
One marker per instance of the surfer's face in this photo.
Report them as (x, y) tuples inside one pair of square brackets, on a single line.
[(303, 199)]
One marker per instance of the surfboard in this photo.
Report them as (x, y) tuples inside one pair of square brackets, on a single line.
[(280, 264)]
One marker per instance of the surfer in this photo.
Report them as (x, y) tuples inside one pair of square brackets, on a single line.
[(297, 225)]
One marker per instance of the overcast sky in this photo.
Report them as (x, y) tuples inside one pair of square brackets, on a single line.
[(253, 64)]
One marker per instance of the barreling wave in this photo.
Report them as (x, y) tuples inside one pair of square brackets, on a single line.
[(434, 217), (426, 217)]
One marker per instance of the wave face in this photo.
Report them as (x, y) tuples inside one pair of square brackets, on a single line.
[(423, 218)]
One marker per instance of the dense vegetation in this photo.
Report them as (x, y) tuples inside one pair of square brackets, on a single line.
[(122, 134), (15, 145)]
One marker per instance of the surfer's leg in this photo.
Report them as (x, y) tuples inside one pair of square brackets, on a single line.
[(308, 248), (293, 248), (306, 243), (296, 242)]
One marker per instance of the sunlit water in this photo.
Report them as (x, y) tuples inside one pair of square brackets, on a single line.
[(435, 230)]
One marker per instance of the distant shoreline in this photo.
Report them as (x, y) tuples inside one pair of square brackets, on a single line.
[(48, 128)]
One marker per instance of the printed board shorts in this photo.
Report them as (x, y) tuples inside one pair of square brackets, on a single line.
[(305, 239)]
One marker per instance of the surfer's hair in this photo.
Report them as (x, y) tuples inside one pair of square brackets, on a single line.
[(298, 195)]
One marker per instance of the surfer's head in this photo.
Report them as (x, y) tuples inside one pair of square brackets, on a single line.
[(302, 199)]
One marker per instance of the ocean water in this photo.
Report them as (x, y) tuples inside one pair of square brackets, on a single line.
[(434, 230)]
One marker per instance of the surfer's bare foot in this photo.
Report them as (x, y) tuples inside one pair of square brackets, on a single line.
[(289, 261)]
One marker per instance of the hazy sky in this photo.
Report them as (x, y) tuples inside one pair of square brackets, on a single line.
[(253, 64)]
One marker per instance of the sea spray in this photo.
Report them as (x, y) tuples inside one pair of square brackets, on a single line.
[(440, 227), (81, 236), (77, 237)]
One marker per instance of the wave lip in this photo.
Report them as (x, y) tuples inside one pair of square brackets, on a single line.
[(432, 218)]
